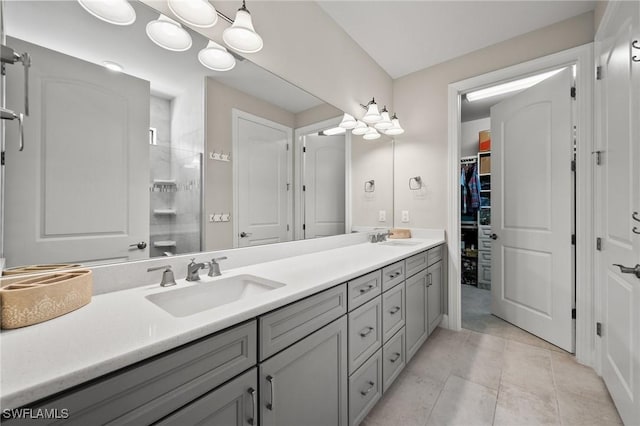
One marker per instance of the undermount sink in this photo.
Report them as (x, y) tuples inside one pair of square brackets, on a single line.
[(400, 243), (204, 295)]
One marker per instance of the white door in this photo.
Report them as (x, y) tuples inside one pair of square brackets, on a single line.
[(531, 182), (264, 184), (79, 192), (619, 197), (324, 174)]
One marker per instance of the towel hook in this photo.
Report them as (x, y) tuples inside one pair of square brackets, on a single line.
[(415, 183), (370, 186), (635, 45)]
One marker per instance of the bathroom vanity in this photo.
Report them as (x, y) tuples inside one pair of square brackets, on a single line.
[(320, 348)]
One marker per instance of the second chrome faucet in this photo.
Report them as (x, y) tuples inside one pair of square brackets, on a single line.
[(193, 268)]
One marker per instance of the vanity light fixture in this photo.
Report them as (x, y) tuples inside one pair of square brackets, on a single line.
[(112, 66), (241, 35), (371, 134), (116, 12), (360, 129), (348, 122), (385, 122), (372, 115), (216, 57), (395, 128), (169, 34), (199, 13)]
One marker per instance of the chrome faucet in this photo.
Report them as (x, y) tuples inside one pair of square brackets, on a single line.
[(214, 266), (192, 270), (376, 238), (167, 276)]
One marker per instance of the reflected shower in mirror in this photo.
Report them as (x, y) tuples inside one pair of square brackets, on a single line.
[(165, 157)]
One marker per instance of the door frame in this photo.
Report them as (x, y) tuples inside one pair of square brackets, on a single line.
[(299, 134), (235, 151), (582, 56)]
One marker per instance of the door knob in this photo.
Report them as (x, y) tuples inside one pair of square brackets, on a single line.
[(627, 270), (494, 237), (244, 234), (140, 246)]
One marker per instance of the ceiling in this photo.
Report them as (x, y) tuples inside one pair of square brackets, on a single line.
[(407, 36)]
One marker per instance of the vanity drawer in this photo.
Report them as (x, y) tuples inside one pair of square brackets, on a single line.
[(364, 288), (434, 255), (392, 311), (393, 359), (415, 264), (285, 326), (365, 389), (392, 275), (365, 332), (152, 389)]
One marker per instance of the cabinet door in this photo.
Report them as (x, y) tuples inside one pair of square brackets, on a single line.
[(416, 312), (234, 404), (434, 295), (306, 384)]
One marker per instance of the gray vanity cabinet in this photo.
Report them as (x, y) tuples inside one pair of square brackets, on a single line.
[(434, 295), (416, 330), (307, 382), (233, 404)]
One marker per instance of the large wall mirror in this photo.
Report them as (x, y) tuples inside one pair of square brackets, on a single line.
[(165, 156)]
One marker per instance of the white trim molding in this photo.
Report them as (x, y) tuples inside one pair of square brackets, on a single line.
[(582, 57)]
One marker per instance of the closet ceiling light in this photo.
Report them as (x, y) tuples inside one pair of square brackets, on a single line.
[(216, 57), (117, 12), (371, 134), (334, 131), (167, 33), (360, 129), (348, 122), (512, 86), (385, 122), (112, 66), (241, 35), (395, 129), (199, 13), (372, 115)]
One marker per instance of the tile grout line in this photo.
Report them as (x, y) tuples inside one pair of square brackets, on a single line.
[(555, 388)]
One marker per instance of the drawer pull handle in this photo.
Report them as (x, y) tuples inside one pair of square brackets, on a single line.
[(394, 310), (367, 391), (273, 396), (252, 420), (367, 289), (395, 274), (366, 331), (396, 356)]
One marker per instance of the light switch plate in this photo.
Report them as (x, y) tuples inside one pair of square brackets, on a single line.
[(405, 216), (382, 216)]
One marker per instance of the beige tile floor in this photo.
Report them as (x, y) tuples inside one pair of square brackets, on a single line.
[(493, 373)]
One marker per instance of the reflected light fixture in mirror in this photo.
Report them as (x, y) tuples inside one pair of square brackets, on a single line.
[(333, 131), (216, 57), (241, 35), (348, 122), (385, 122), (169, 34), (395, 128), (198, 13), (116, 12), (372, 115), (360, 129), (371, 134)]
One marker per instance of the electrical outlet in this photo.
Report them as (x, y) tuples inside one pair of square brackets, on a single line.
[(382, 216), (405, 216)]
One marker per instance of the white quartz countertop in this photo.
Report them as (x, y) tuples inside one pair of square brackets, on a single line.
[(123, 327)]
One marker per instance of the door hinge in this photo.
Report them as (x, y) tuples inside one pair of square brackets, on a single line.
[(288, 186), (304, 149), (573, 239), (304, 188), (598, 73), (573, 92), (599, 329), (287, 147), (573, 165), (304, 227), (599, 244), (2, 159), (287, 227), (598, 157), (573, 313)]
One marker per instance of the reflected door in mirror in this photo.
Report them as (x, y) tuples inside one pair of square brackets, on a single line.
[(79, 190)]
